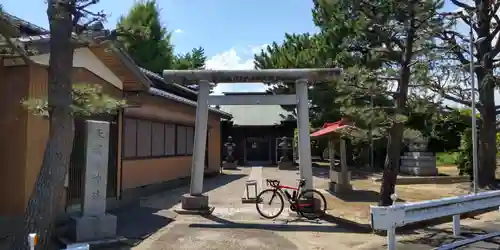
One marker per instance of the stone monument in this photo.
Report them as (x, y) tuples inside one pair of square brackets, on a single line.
[(340, 179), (417, 161), (230, 161), (94, 223), (284, 161)]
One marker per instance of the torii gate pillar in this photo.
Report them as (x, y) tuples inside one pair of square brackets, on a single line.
[(305, 162), (195, 201)]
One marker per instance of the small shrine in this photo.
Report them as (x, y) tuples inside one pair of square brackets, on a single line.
[(340, 178)]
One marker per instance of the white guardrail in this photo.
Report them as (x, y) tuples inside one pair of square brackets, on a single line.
[(391, 217), (33, 241)]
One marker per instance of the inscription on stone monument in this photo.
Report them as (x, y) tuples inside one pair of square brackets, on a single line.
[(96, 164)]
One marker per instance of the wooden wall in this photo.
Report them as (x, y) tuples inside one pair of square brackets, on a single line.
[(38, 127), (23, 136), (14, 83), (141, 172)]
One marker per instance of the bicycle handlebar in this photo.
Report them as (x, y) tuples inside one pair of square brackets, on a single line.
[(273, 183)]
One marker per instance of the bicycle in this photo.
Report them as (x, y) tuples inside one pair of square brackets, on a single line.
[(303, 204)]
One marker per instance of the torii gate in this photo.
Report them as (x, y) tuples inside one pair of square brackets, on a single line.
[(195, 200)]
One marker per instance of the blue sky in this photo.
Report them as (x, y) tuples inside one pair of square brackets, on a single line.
[(230, 31)]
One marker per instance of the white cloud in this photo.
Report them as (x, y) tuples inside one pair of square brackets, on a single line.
[(178, 31), (229, 60), (257, 49), (237, 60)]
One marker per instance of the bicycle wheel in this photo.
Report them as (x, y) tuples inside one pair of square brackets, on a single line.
[(272, 200), (311, 204)]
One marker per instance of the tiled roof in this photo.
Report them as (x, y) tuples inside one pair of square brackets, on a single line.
[(159, 92), (20, 23), (160, 79), (258, 115)]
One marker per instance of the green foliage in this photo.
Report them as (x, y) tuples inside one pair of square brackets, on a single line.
[(88, 99), (446, 158), (296, 135), (317, 145), (446, 130), (193, 60), (498, 143), (149, 43), (464, 159), (357, 89), (302, 51)]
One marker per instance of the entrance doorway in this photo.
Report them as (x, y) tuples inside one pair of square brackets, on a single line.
[(257, 151)]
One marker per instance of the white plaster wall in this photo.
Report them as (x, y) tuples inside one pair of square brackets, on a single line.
[(84, 58)]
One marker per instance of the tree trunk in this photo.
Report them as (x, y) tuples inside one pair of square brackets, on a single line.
[(488, 150), (49, 187), (391, 167), (486, 87)]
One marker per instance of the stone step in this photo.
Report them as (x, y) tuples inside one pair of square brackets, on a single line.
[(418, 157), (418, 163), (419, 171), (417, 154)]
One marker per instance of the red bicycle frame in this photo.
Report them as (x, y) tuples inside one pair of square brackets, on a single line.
[(292, 199)]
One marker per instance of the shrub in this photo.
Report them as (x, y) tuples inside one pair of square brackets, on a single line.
[(464, 159)]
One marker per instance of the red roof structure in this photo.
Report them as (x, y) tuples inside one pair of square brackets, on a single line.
[(332, 127)]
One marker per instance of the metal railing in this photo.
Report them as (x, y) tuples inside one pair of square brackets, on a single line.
[(391, 217)]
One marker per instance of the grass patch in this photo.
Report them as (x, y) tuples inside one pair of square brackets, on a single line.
[(321, 164), (446, 158)]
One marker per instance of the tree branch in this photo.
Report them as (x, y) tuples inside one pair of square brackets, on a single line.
[(463, 5), (450, 38)]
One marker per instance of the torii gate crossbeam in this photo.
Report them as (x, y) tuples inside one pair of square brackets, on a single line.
[(195, 200)]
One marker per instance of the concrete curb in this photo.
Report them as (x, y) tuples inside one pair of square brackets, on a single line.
[(427, 180)]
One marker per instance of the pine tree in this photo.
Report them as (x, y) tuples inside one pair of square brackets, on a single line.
[(398, 35), (66, 19), (147, 42), (483, 16)]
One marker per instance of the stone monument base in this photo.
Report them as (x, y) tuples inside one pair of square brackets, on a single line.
[(194, 204), (339, 188), (92, 228), (418, 164), (419, 171), (229, 165), (336, 175)]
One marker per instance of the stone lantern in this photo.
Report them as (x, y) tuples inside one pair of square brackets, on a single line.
[(229, 161), (284, 162)]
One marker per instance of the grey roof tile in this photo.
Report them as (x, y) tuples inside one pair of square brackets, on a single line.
[(258, 115)]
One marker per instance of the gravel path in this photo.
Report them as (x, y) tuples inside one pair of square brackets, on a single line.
[(237, 226)]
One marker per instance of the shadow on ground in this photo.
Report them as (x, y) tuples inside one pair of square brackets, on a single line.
[(436, 237), (137, 222), (282, 225), (322, 171), (359, 196)]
